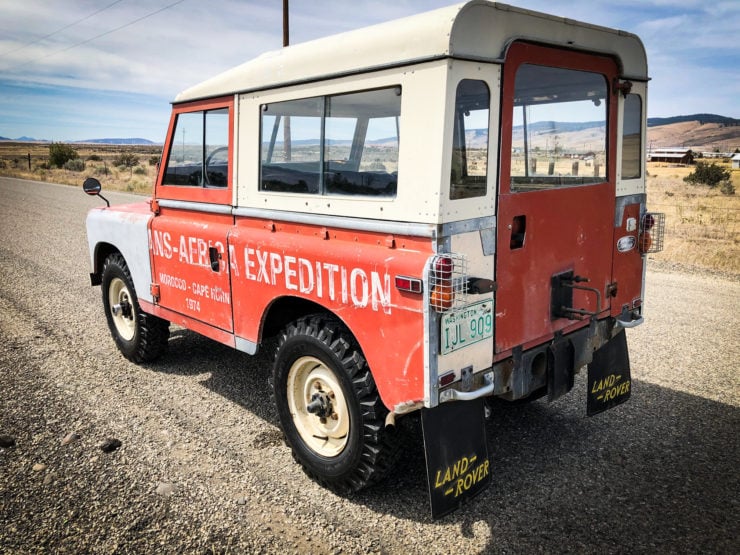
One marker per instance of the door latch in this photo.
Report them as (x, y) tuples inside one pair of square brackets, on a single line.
[(214, 256)]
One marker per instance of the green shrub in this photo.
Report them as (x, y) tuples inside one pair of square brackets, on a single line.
[(126, 159), (708, 174), (60, 154), (75, 165), (94, 158), (727, 188), (101, 170), (153, 160), (140, 170)]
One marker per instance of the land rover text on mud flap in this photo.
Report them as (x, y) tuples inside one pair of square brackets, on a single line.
[(427, 212)]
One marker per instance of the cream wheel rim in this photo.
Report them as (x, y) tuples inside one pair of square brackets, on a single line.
[(310, 384), (122, 309)]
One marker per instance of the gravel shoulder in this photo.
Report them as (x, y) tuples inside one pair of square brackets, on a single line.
[(202, 467)]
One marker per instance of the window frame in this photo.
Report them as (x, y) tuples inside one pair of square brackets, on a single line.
[(197, 193), (526, 182), (640, 146), (522, 52), (459, 133), (357, 153)]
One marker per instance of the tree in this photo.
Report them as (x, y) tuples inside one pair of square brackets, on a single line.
[(708, 174), (60, 154)]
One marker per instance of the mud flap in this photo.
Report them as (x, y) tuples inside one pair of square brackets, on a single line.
[(609, 378), (456, 453)]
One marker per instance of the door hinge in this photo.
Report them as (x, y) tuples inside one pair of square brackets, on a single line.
[(154, 290)]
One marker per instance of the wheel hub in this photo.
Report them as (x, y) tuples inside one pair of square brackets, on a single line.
[(122, 309), (320, 405)]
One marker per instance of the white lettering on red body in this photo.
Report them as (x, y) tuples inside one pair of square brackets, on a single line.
[(351, 286), (323, 279)]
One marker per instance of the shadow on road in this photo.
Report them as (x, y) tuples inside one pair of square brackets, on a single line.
[(658, 473)]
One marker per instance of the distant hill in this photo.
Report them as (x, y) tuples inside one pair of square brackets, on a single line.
[(135, 141), (701, 118)]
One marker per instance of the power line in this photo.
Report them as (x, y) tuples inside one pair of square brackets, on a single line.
[(142, 18), (23, 46)]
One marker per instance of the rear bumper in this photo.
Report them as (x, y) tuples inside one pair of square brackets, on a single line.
[(549, 367)]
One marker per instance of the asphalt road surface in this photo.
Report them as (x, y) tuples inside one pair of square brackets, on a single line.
[(202, 467)]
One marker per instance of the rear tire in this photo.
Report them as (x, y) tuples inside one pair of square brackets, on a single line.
[(329, 407), (139, 336)]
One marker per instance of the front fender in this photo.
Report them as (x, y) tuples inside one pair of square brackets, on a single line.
[(126, 229)]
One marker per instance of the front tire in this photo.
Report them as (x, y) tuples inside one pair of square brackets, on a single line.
[(139, 336), (329, 407)]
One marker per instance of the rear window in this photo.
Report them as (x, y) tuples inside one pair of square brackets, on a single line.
[(469, 169), (632, 137), (559, 128), (332, 145)]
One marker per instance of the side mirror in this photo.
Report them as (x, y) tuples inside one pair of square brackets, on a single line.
[(93, 187)]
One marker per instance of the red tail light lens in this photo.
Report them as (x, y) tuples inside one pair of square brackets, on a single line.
[(443, 267)]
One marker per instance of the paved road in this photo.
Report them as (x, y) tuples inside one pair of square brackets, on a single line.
[(202, 467)]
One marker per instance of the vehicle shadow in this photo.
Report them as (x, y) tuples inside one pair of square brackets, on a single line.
[(658, 473)]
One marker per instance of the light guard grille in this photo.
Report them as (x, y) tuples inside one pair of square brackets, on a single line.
[(448, 280)]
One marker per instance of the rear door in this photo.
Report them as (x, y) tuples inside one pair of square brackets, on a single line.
[(556, 193)]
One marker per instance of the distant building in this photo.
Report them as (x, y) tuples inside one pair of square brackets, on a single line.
[(736, 162), (672, 155)]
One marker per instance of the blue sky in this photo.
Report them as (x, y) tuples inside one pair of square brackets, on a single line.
[(86, 69)]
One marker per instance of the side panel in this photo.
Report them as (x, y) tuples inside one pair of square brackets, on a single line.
[(350, 273), (125, 228)]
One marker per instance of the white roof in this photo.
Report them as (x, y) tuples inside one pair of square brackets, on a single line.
[(736, 157), (479, 30)]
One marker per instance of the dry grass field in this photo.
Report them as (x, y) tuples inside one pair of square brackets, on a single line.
[(702, 228), (702, 224), (99, 162)]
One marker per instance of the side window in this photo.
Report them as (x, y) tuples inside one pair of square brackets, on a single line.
[(291, 146), (343, 144), (470, 140), (199, 152), (632, 137), (559, 128)]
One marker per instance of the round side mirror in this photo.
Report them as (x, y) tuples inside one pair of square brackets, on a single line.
[(92, 186)]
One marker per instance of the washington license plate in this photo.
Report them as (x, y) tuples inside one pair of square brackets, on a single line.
[(466, 326)]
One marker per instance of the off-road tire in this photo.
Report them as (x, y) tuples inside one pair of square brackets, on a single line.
[(319, 349), (139, 336)]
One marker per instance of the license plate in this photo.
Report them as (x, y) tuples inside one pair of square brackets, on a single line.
[(466, 326)]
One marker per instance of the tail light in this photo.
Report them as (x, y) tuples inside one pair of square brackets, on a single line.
[(652, 231), (448, 279)]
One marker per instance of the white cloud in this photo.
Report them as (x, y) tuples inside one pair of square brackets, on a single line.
[(691, 43)]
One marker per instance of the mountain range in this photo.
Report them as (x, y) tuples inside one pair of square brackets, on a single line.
[(709, 131)]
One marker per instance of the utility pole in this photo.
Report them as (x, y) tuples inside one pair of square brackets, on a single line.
[(286, 119), (286, 25)]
